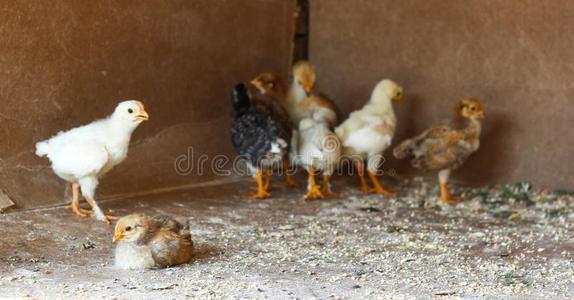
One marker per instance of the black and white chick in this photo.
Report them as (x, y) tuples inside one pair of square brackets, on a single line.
[(260, 132)]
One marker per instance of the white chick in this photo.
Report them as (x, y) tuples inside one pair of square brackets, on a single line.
[(368, 132), (319, 150), (83, 154)]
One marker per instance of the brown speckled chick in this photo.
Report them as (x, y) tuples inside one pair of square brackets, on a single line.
[(445, 148), (146, 242)]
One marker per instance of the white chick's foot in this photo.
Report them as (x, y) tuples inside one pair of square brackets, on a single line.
[(261, 194), (328, 193), (290, 182), (80, 211), (100, 216), (383, 191), (314, 193), (365, 188)]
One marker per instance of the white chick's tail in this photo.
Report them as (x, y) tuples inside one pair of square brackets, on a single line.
[(42, 148)]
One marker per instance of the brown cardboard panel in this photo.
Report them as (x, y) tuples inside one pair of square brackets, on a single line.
[(66, 63), (516, 55)]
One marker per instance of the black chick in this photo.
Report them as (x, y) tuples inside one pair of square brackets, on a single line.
[(261, 132)]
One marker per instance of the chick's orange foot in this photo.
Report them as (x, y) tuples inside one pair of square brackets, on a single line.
[(328, 193), (314, 193), (290, 182), (451, 200), (447, 197), (109, 219), (80, 211), (261, 194), (383, 191)]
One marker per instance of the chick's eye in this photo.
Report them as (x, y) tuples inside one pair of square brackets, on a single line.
[(130, 110), (299, 82), (473, 108), (129, 228)]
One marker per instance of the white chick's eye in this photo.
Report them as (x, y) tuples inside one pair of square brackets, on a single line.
[(299, 82), (129, 228), (473, 108), (131, 111)]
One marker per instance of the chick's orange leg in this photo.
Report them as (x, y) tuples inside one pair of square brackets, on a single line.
[(106, 218), (261, 192), (267, 180), (326, 190), (313, 191), (378, 188), (446, 196), (75, 205), (361, 172), (288, 177)]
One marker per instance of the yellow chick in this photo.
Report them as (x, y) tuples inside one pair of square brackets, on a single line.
[(151, 242), (304, 102), (368, 132), (445, 148)]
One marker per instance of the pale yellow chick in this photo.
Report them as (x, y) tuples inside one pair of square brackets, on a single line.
[(368, 132)]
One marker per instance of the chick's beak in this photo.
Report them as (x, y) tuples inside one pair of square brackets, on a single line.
[(142, 116), (256, 83), (308, 89), (118, 235), (398, 100)]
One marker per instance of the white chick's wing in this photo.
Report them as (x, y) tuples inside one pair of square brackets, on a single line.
[(354, 122), (79, 158), (371, 134)]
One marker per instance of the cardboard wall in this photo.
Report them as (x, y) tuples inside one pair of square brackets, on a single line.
[(515, 55), (67, 63)]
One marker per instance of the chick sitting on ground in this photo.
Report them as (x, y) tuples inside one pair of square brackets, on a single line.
[(151, 242)]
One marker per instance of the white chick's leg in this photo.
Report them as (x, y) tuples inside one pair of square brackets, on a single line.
[(326, 190), (360, 166), (371, 170), (88, 185), (445, 194), (75, 205), (288, 177), (261, 192), (313, 191)]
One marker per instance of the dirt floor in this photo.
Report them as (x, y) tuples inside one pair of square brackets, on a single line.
[(504, 242)]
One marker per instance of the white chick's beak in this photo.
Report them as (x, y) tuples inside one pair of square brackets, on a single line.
[(118, 235), (142, 116)]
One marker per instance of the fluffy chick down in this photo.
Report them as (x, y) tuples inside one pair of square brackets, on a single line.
[(146, 242)]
